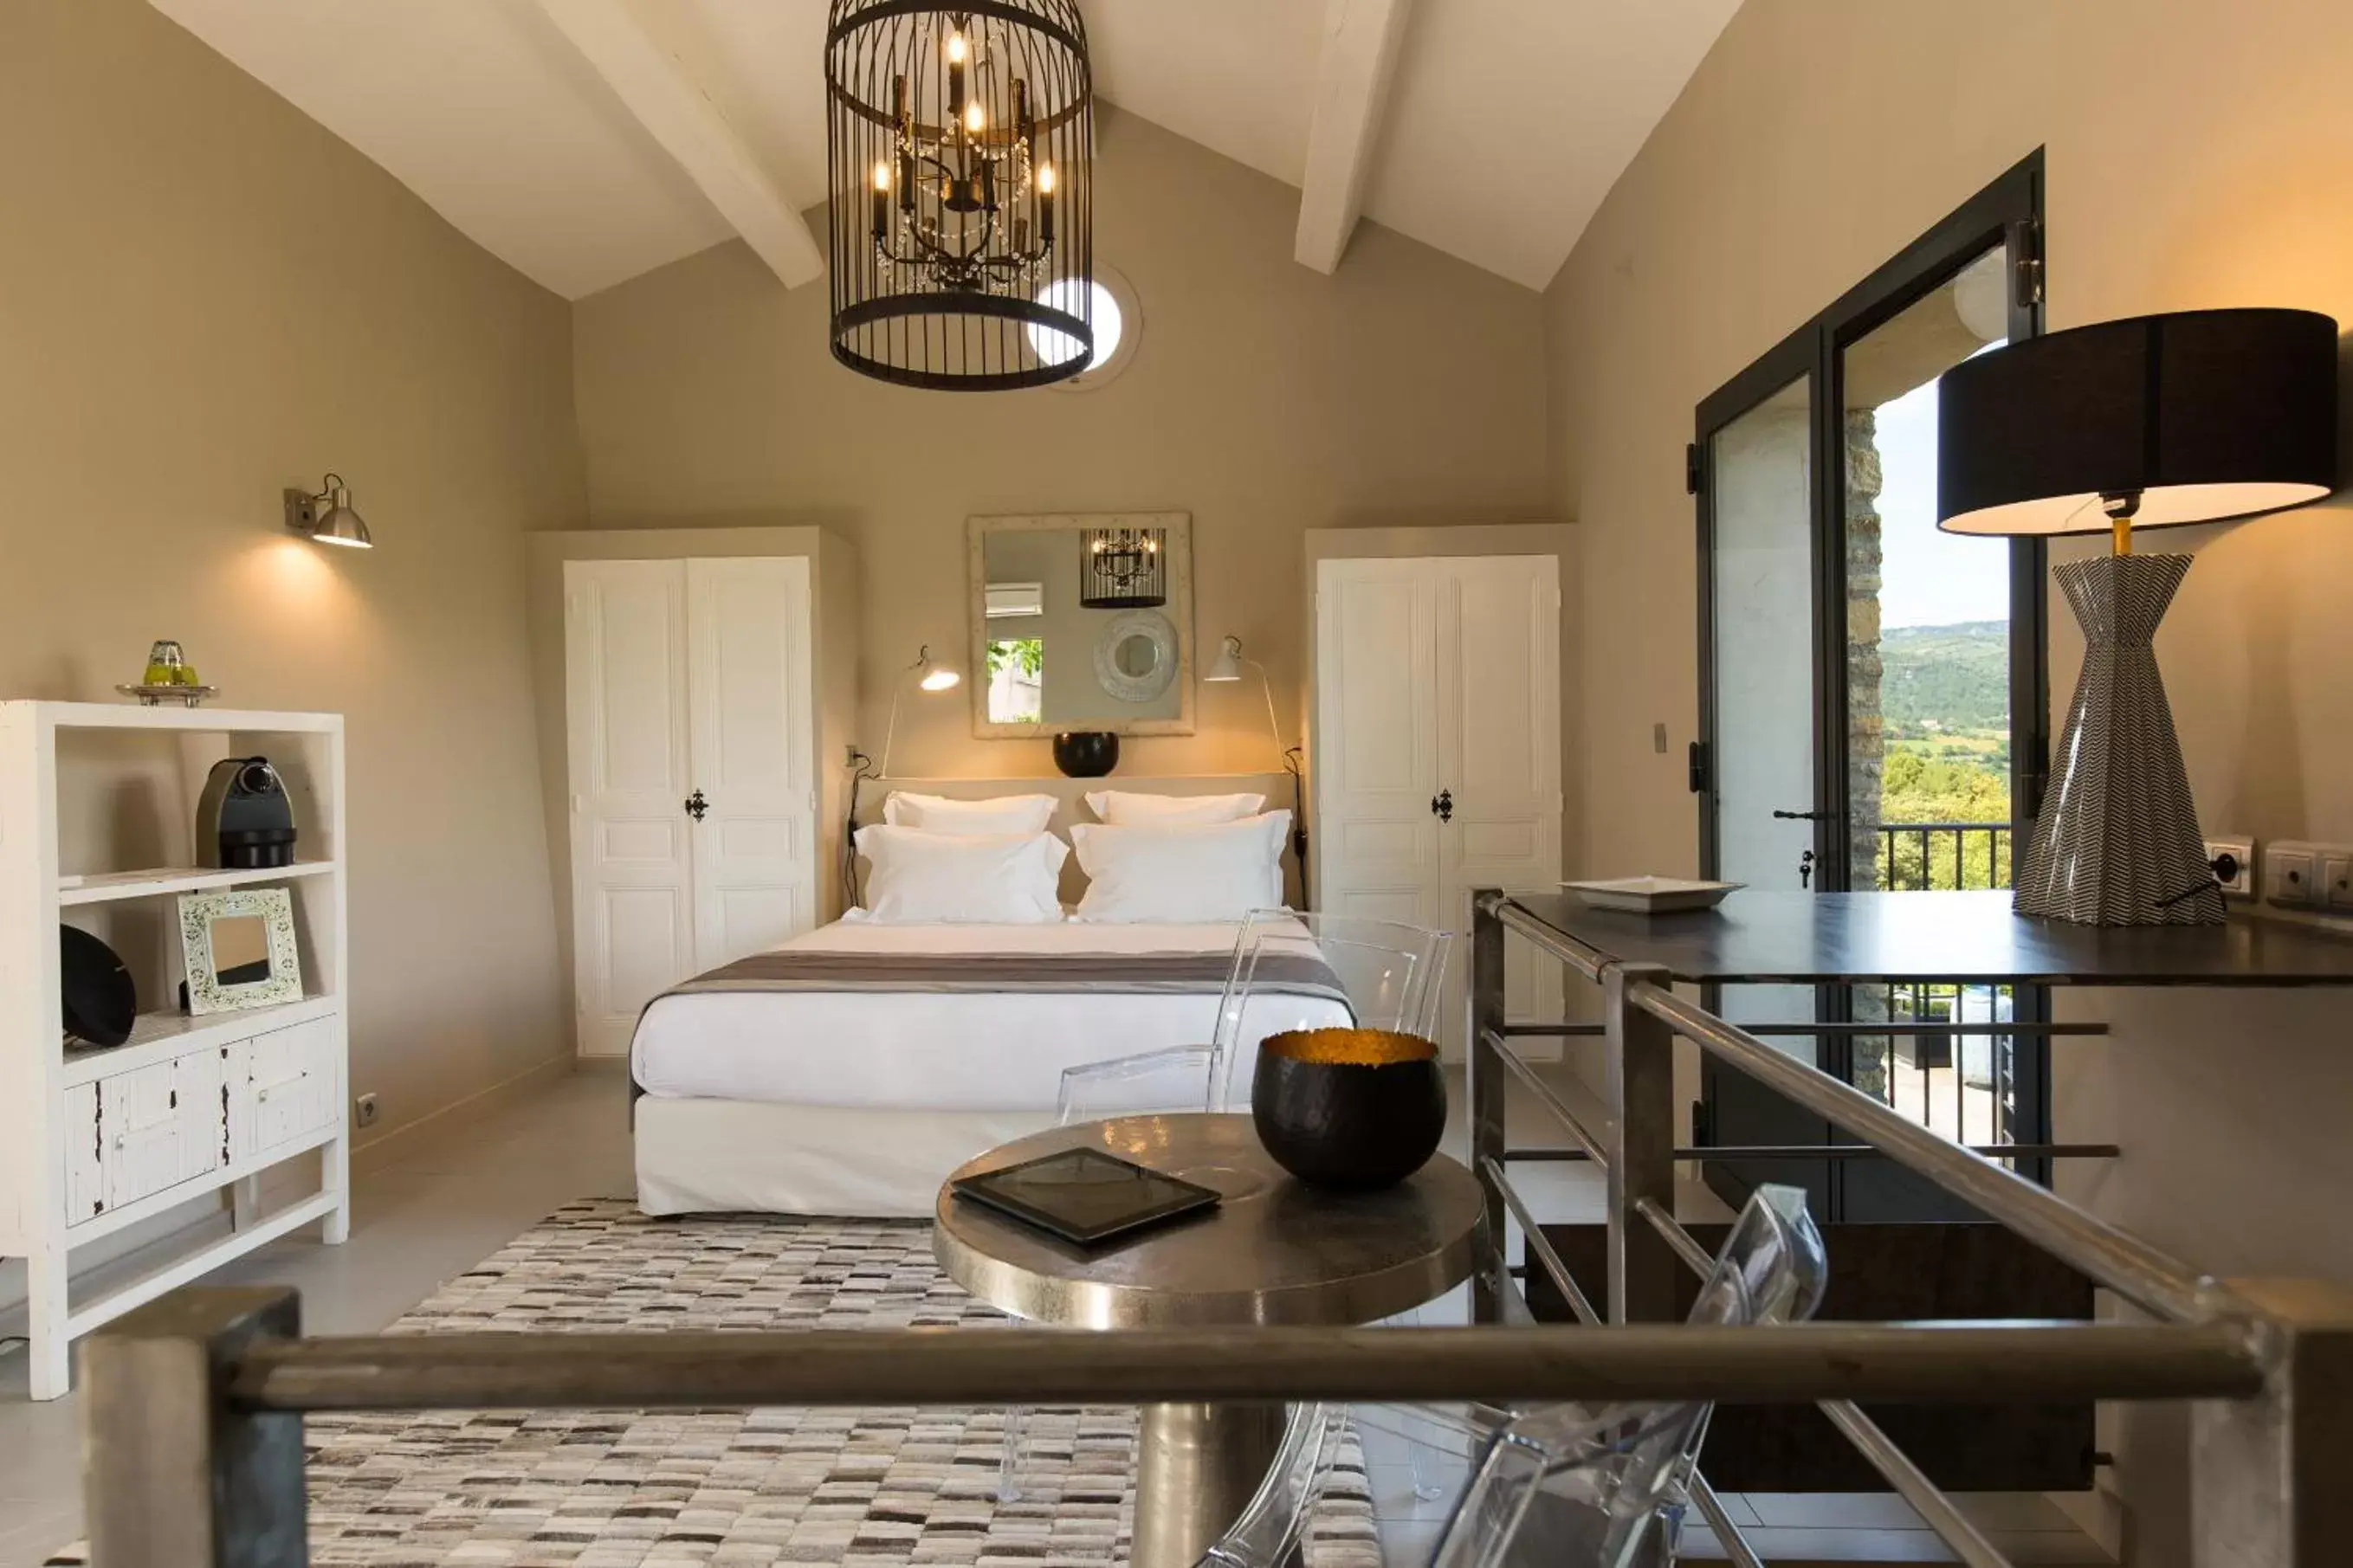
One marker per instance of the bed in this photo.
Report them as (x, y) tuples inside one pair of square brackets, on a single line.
[(848, 1071)]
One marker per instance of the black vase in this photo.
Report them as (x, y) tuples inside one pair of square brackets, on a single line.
[(1348, 1109), (1086, 754)]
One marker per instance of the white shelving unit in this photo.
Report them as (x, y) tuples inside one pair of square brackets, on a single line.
[(93, 1141)]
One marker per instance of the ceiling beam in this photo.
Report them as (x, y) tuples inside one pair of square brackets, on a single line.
[(1361, 39), (655, 86)]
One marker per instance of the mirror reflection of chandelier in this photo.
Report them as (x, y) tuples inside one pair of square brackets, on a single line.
[(961, 141), (1122, 568)]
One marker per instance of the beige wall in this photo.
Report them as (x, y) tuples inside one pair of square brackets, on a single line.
[(1263, 398), (204, 297), (2199, 154)]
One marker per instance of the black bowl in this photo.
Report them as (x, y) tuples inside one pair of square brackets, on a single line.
[(1086, 754), (1348, 1109)]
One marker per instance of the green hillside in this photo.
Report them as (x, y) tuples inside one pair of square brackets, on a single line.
[(1945, 679), (1945, 695)]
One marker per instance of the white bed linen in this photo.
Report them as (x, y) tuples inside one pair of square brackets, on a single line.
[(962, 1051), (738, 1156)]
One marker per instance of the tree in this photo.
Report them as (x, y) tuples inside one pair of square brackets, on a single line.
[(1025, 654)]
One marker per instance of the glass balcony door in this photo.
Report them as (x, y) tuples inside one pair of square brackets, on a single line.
[(1873, 700)]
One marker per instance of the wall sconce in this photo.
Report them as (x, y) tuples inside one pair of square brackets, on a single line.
[(327, 518)]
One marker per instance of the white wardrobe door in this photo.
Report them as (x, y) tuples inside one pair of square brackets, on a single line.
[(1377, 694), (1499, 757), (625, 656), (752, 737)]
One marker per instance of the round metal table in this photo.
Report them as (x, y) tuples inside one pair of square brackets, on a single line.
[(1273, 1252)]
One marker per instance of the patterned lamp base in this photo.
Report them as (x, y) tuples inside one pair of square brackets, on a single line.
[(2116, 842)]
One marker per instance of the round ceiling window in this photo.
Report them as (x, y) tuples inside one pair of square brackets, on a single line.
[(1110, 307)]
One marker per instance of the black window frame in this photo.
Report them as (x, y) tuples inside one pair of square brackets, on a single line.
[(2007, 212)]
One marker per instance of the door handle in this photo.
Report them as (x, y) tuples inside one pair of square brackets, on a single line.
[(696, 805), (1441, 805), (1807, 817)]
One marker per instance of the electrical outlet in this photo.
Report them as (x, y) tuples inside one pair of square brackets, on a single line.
[(2240, 881), (364, 1111), (2336, 880), (2292, 873)]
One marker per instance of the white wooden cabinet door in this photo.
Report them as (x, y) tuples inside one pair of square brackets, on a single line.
[(141, 1133), (751, 734), (625, 634), (1377, 764), (287, 1089), (1438, 750), (1499, 761), (85, 1141), (198, 1079)]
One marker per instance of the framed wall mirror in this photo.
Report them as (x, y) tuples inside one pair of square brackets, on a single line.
[(1082, 621)]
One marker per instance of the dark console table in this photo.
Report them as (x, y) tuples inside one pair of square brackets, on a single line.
[(1971, 939)]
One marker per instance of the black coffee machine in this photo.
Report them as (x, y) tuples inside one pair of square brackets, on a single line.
[(243, 819)]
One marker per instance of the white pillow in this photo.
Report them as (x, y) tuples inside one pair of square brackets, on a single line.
[(1184, 874), (1006, 814), (914, 877), (1121, 809)]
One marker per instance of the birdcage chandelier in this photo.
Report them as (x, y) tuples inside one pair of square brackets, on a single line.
[(961, 152)]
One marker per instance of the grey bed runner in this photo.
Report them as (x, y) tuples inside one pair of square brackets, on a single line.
[(1131, 973), (981, 973)]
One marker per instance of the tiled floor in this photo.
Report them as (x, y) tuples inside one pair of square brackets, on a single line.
[(452, 1202)]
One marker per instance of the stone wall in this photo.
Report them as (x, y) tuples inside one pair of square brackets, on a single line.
[(1864, 732), (1864, 738)]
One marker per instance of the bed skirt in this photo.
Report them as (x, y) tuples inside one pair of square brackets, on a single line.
[(727, 1156)]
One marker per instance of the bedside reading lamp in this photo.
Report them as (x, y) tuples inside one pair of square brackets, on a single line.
[(929, 675), (1227, 666), (2147, 423)]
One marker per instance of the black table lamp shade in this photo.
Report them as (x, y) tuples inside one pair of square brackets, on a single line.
[(2201, 414), (2189, 418)]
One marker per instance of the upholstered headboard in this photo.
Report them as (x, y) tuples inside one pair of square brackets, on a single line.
[(1073, 807)]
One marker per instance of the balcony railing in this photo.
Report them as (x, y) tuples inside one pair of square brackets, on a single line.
[(1943, 857), (1959, 1084)]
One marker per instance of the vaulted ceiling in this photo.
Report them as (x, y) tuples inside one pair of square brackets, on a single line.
[(587, 141)]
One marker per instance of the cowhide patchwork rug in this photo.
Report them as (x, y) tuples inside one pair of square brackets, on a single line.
[(624, 1488)]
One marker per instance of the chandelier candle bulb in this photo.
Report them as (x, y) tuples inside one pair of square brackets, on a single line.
[(882, 201), (955, 74)]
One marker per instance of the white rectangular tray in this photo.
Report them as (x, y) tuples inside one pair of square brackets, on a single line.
[(1653, 895)]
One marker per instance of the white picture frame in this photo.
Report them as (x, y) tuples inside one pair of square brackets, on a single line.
[(270, 942)]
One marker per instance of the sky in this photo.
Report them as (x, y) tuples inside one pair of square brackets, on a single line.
[(1928, 578)]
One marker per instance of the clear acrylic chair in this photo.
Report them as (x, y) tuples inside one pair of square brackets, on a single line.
[(1289, 970), (1274, 1523), (1574, 1486), (1563, 1486)]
